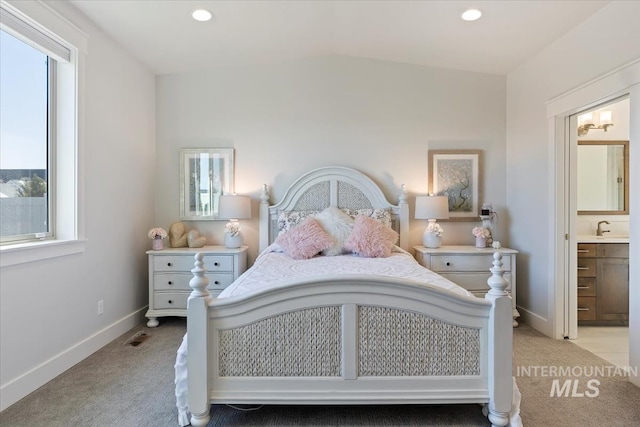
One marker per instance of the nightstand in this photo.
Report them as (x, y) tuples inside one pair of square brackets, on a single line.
[(170, 273), (469, 266)]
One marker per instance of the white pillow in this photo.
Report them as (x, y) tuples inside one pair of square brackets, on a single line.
[(338, 225)]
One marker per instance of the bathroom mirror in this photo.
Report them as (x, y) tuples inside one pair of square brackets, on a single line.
[(603, 178)]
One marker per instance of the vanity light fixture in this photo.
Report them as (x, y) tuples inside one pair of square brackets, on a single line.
[(590, 121), (471, 14), (201, 15)]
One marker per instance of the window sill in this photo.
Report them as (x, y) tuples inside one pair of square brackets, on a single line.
[(36, 251)]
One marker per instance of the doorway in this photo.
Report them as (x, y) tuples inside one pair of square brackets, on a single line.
[(561, 111)]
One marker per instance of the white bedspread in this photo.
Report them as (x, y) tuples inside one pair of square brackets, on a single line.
[(272, 267)]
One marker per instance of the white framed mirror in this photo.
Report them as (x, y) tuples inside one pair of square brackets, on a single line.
[(205, 175)]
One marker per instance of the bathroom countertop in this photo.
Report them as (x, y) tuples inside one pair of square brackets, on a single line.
[(603, 239)]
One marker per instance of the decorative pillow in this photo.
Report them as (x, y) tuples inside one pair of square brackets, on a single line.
[(290, 219), (382, 215), (304, 241), (371, 238), (338, 225)]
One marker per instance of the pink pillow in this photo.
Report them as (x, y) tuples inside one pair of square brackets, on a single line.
[(371, 238), (304, 241)]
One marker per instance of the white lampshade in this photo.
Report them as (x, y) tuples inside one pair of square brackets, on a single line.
[(605, 118), (432, 207), (233, 206)]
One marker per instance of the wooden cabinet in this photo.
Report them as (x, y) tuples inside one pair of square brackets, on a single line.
[(170, 273), (469, 266), (603, 283)]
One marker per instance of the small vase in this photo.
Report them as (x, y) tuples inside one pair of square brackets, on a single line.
[(232, 242), (157, 244), (481, 242)]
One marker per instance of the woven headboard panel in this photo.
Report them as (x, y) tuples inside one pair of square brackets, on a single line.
[(337, 186)]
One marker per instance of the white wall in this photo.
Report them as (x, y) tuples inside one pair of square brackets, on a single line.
[(606, 41), (289, 118), (48, 309)]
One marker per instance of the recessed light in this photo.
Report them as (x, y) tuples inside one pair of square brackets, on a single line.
[(471, 14), (201, 15)]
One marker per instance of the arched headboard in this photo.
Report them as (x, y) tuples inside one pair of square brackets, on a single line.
[(337, 186)]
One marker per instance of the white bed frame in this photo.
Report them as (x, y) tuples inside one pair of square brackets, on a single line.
[(461, 345)]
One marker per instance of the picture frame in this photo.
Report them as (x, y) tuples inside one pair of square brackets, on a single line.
[(456, 174), (205, 175)]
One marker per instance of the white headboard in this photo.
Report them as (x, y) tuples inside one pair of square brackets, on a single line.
[(337, 186)]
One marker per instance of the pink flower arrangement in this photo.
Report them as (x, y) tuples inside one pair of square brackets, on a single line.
[(157, 233), (482, 232)]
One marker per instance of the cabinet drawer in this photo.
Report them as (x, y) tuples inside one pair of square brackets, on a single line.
[(180, 281), (586, 250), (586, 308), (474, 282), (185, 263), (586, 287), (170, 300), (587, 267), (444, 263), (613, 250)]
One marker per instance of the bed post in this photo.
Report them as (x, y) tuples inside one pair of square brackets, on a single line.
[(501, 344), (265, 220), (404, 218), (198, 344)]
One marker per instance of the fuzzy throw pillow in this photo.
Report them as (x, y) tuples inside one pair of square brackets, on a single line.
[(338, 225), (304, 241), (371, 238)]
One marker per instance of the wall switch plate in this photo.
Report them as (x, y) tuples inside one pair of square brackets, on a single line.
[(100, 307)]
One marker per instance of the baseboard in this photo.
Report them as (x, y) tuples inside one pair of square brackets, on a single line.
[(536, 321), (18, 388)]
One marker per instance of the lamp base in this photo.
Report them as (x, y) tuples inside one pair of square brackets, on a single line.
[(233, 242), (430, 240)]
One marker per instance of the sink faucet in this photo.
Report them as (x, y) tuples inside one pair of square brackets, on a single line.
[(600, 231)]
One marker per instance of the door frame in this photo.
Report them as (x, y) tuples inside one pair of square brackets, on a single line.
[(563, 240)]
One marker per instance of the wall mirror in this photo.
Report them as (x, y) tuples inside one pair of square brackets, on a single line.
[(205, 175), (603, 178)]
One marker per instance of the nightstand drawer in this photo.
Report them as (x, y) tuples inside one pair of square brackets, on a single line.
[(473, 281), (185, 263), (163, 300), (443, 263), (180, 281)]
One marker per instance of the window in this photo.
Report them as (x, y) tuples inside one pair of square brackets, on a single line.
[(26, 95), (41, 85)]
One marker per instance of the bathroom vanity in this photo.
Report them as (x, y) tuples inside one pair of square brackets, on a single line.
[(603, 282)]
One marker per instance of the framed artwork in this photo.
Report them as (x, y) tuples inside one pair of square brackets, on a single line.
[(205, 175), (456, 174)]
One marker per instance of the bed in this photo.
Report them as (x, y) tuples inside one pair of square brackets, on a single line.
[(343, 329)]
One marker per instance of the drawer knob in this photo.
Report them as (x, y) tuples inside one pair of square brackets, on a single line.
[(169, 264), (170, 301), (216, 282), (170, 282), (216, 264), (448, 264)]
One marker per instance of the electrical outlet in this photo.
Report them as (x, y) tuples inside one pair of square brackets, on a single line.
[(100, 307)]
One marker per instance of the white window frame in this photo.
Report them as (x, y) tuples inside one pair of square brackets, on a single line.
[(67, 126)]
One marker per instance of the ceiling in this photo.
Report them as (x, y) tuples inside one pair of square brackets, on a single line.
[(162, 34)]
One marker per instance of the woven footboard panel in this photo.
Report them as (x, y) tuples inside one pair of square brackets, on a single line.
[(400, 343), (303, 343)]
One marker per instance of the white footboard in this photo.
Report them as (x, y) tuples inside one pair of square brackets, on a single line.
[(349, 340)]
